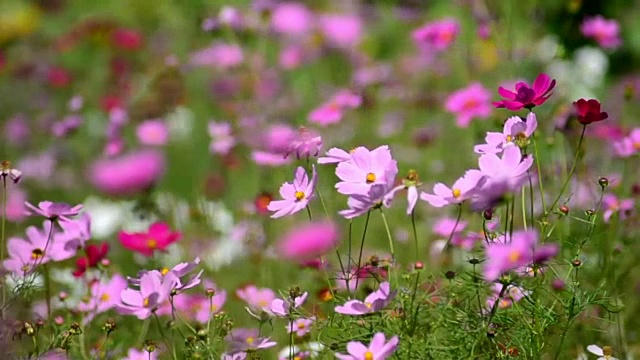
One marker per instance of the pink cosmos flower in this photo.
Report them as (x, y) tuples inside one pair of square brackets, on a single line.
[(300, 326), (128, 174), (222, 140), (282, 308), (445, 227), (360, 204), (515, 132), (179, 271), (306, 145), (511, 295), (256, 298), (220, 55), (15, 211), (53, 211), (155, 289), (526, 96), (374, 302), (462, 189), (291, 57), (332, 111), (265, 158), (334, 156), (605, 32), (469, 103), (158, 237), (629, 145), (152, 132), (613, 205), (234, 356), (66, 126), (517, 251), (135, 354), (39, 248), (511, 168), (296, 195), (6, 171), (341, 30), (365, 169), (378, 349), (247, 339), (104, 296), (437, 35), (309, 241), (291, 18)]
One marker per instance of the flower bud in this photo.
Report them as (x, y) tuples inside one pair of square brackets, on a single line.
[(564, 210), (603, 182), (211, 292), (109, 326), (418, 265), (149, 346), (487, 214), (450, 275), (576, 263)]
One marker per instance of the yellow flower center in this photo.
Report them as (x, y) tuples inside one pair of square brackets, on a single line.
[(250, 340), (368, 355), (456, 193), (37, 254), (469, 104), (368, 304), (636, 145), (145, 302), (301, 325), (214, 307), (509, 138), (371, 177), (164, 270), (607, 351), (514, 255), (263, 303), (152, 243), (297, 357), (105, 297), (299, 195), (504, 303)]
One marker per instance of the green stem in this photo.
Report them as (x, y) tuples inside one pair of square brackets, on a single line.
[(573, 168), (164, 338), (2, 241), (309, 212), (415, 234), (536, 158), (390, 238), (47, 290), (524, 208), (364, 233), (455, 226)]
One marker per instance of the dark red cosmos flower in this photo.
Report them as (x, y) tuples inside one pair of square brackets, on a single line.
[(526, 96), (588, 111), (262, 201), (95, 254), (126, 39)]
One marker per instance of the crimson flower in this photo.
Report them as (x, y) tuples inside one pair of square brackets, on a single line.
[(526, 96), (159, 237), (589, 111), (95, 254)]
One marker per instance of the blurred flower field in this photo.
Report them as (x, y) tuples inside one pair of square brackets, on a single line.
[(360, 180)]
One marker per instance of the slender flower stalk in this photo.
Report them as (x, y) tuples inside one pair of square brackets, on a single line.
[(568, 179)]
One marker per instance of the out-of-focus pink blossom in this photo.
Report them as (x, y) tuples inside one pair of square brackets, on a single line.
[(437, 35), (469, 103), (291, 18), (341, 30), (605, 32), (220, 55), (309, 241), (153, 132), (128, 174)]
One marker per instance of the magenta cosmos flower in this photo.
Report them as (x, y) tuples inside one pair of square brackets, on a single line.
[(155, 289), (158, 237), (469, 103), (605, 32), (515, 132), (291, 18), (309, 241), (378, 349), (519, 250), (462, 189), (437, 35), (332, 111), (629, 145), (128, 174), (374, 302), (526, 96), (365, 169), (296, 195)]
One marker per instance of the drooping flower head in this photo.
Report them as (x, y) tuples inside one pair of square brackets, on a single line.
[(295, 195), (409, 183), (469, 103), (306, 145), (7, 171), (526, 96), (158, 237), (54, 211)]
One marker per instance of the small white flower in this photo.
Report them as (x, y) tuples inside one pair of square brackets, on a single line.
[(604, 352)]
